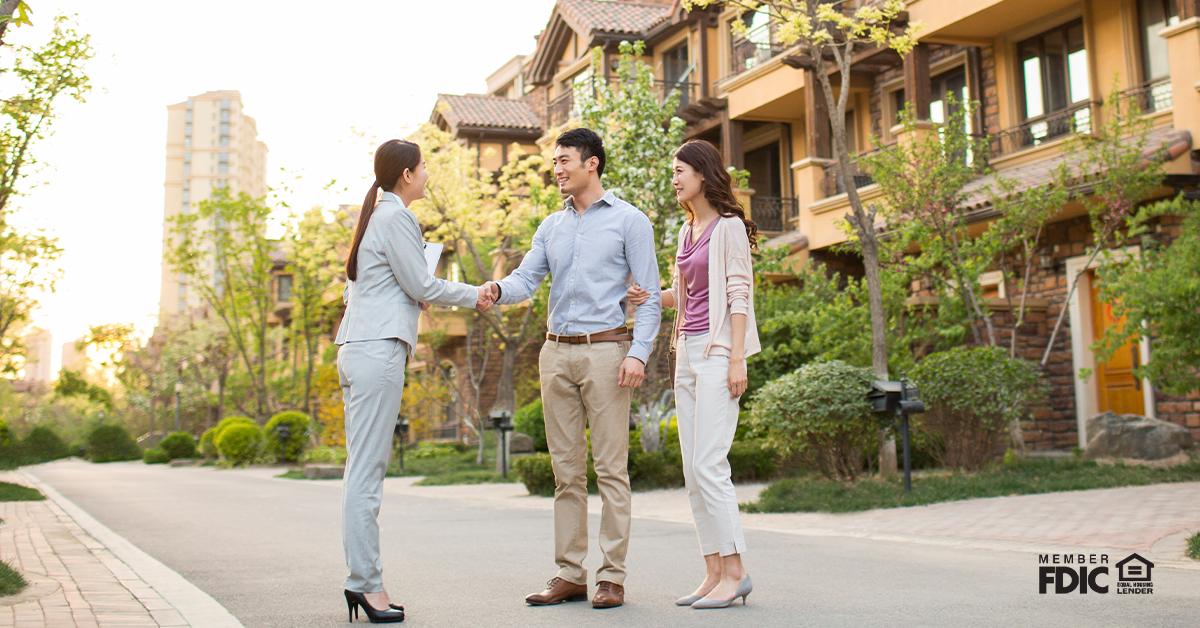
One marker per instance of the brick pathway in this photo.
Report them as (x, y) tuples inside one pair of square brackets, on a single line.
[(74, 579)]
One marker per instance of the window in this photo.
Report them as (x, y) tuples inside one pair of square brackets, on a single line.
[(952, 82), (1054, 81), (675, 72), (283, 285), (756, 46), (1153, 16), (898, 103)]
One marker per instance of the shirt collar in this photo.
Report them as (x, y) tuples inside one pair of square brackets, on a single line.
[(608, 199), (389, 196)]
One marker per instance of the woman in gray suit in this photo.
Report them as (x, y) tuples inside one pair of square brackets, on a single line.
[(389, 284)]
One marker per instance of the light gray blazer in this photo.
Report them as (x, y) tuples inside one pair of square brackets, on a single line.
[(393, 280)]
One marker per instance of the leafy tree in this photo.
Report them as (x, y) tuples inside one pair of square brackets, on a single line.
[(314, 246), (223, 251), (487, 224), (641, 133), (1156, 296), (1115, 168)]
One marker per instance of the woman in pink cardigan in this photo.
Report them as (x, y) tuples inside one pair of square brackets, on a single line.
[(715, 331)]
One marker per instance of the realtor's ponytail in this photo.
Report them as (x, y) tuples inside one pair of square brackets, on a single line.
[(392, 158)]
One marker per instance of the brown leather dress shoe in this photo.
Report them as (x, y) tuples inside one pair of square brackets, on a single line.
[(558, 591), (608, 595)]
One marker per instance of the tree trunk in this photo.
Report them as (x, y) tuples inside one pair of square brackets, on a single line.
[(864, 223), (6, 13)]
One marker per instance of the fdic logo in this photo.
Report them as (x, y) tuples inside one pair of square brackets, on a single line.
[(1068, 573)]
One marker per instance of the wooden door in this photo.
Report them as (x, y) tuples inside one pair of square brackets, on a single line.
[(1117, 389)]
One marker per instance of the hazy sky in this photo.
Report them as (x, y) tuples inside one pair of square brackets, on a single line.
[(325, 81)]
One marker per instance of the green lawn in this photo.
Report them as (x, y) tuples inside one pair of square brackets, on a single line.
[(454, 467), (17, 493), (1024, 477), (11, 582), (1193, 548)]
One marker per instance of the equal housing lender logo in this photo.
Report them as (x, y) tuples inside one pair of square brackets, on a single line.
[(1090, 573)]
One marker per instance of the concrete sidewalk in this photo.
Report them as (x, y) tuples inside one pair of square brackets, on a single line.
[(1154, 520), (81, 574)]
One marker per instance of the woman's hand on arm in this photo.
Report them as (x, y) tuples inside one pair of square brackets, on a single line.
[(638, 295)]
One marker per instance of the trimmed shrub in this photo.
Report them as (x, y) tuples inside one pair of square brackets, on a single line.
[(325, 455), (208, 445), (232, 420), (751, 460), (531, 420), (109, 442), (973, 396), (820, 413), (537, 473), (6, 435), (298, 426), (240, 443), (178, 445), (155, 456), (429, 449), (208, 440), (655, 469), (43, 444)]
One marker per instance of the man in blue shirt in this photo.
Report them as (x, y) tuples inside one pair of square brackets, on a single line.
[(590, 362)]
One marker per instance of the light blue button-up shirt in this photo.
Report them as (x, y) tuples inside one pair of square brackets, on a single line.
[(591, 257)]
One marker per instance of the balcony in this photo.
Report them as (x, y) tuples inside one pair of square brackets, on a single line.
[(1150, 97), (1041, 129), (772, 214), (756, 48), (833, 183), (560, 109), (563, 108)]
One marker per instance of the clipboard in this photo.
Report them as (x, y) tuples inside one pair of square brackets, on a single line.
[(433, 254)]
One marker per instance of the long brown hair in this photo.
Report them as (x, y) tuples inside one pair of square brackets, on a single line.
[(717, 186), (392, 158)]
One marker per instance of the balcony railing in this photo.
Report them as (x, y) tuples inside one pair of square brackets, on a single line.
[(1150, 97), (1042, 129), (559, 110), (563, 107), (833, 182), (772, 213), (757, 47)]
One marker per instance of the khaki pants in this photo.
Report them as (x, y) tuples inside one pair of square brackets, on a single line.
[(579, 389)]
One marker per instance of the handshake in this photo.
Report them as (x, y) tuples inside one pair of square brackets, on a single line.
[(489, 293)]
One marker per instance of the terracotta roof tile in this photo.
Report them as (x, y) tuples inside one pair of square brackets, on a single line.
[(478, 110), (614, 16)]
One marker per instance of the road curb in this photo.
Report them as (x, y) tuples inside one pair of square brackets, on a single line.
[(197, 607)]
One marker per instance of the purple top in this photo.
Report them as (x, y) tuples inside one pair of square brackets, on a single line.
[(693, 267)]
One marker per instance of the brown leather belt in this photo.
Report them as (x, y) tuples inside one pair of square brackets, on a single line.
[(611, 335)]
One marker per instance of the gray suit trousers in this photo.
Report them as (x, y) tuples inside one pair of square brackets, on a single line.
[(372, 378)]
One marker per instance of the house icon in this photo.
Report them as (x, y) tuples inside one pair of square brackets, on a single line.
[(1134, 568)]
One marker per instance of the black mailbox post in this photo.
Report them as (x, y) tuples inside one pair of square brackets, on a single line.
[(502, 422), (897, 399)]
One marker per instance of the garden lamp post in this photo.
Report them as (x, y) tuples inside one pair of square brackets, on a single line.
[(401, 432), (283, 432), (178, 395), (502, 422)]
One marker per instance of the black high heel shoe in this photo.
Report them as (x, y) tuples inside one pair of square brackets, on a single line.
[(394, 614)]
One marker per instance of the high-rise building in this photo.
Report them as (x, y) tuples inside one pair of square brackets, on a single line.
[(73, 358), (211, 143), (38, 349)]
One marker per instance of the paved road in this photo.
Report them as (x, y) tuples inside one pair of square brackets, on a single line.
[(270, 551)]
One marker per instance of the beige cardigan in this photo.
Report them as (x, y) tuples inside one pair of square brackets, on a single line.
[(730, 273)]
